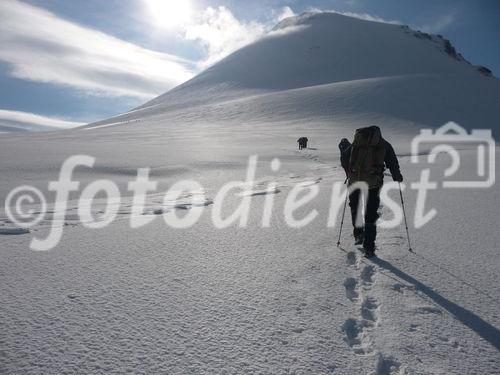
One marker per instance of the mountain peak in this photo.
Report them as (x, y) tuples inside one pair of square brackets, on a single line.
[(322, 48), (315, 65), (308, 18)]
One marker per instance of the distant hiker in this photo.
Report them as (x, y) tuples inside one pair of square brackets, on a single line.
[(344, 153), (365, 160), (302, 141)]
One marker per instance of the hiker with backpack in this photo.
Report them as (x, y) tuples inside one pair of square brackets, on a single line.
[(365, 161), (302, 141)]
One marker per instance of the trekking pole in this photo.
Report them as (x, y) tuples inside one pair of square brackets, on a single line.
[(343, 214), (404, 214)]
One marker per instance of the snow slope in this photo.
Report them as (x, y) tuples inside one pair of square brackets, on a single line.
[(262, 300), (329, 66), (315, 49)]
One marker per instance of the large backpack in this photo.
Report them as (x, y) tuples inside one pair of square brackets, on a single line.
[(367, 157)]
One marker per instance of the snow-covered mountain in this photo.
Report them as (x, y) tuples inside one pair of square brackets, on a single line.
[(261, 299), (326, 66)]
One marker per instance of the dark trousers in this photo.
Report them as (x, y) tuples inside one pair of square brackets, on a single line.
[(371, 214)]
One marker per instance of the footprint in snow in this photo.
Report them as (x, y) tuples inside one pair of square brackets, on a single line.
[(14, 231), (355, 336), (413, 328), (251, 193), (387, 366), (428, 310), (367, 275), (369, 309), (351, 289), (351, 258), (310, 182)]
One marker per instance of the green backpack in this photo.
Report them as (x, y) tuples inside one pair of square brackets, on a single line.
[(367, 157)]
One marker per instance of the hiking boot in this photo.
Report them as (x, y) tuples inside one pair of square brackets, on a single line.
[(369, 250), (358, 240), (359, 236)]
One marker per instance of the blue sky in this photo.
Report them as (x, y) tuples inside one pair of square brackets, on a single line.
[(85, 60)]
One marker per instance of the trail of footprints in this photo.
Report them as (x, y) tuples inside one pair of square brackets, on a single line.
[(357, 289), (358, 330)]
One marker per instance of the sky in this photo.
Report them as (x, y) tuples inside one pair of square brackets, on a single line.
[(64, 63)]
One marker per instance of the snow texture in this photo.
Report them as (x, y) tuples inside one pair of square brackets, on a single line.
[(263, 300)]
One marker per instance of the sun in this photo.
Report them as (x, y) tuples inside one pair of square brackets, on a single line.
[(170, 13)]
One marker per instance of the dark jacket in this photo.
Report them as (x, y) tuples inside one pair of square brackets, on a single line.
[(303, 140), (384, 157)]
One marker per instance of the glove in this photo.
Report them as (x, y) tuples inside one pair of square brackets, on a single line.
[(398, 177)]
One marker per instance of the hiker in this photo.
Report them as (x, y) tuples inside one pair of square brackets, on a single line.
[(365, 161), (302, 141), (344, 156)]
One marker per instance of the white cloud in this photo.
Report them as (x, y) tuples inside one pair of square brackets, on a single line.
[(43, 47), (435, 26), (285, 12), (370, 17), (361, 16), (30, 121), (439, 24), (221, 33)]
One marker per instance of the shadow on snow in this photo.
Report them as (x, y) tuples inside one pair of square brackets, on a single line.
[(484, 329)]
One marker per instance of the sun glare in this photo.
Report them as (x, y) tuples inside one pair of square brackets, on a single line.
[(169, 13)]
